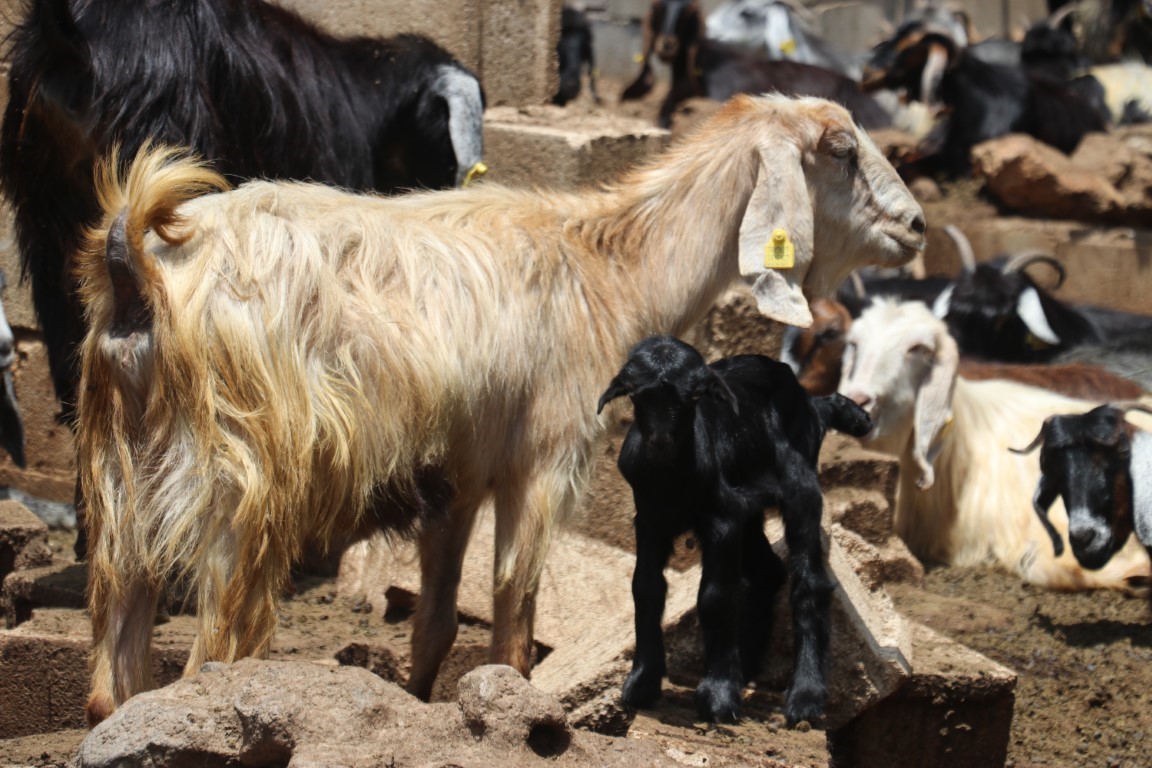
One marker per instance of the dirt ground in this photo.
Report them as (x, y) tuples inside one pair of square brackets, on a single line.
[(1084, 661)]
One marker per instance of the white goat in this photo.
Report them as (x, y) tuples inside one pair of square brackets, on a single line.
[(287, 363), (963, 498)]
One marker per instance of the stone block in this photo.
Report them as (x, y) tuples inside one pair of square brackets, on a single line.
[(44, 672), (954, 712), (60, 585), (527, 146), (23, 539), (518, 50)]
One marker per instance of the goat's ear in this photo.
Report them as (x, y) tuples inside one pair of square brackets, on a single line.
[(708, 383), (776, 234), (1031, 312), (618, 388), (934, 407), (943, 303)]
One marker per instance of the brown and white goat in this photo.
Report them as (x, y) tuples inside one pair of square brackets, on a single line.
[(287, 363), (963, 498)]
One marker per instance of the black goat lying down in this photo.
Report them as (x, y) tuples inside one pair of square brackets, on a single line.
[(1100, 465), (985, 100), (711, 447), (249, 86)]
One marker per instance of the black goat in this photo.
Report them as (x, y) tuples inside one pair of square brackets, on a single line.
[(1101, 466), (985, 100), (711, 447), (574, 53), (996, 311), (674, 30), (249, 86)]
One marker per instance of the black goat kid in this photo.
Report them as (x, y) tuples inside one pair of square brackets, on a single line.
[(574, 53), (713, 446)]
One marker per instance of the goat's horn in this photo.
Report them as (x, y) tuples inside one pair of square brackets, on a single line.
[(1057, 18), (1032, 445), (963, 246), (858, 285), (1132, 405), (1023, 260)]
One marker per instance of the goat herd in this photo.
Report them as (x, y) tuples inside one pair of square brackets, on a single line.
[(258, 369)]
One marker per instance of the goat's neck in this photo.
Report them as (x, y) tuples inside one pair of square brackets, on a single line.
[(673, 240)]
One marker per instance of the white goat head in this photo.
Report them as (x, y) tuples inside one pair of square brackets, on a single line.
[(900, 366), (866, 214)]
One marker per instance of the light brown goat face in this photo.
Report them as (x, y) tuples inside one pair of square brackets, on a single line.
[(827, 195), (874, 219)]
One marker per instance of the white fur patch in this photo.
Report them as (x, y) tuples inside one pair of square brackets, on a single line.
[(1141, 470), (465, 117)]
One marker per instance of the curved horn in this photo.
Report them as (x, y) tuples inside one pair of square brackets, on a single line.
[(1057, 18), (1023, 260), (963, 246), (1132, 405), (858, 285), (1032, 445)]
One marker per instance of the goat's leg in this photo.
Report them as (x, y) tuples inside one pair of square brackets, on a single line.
[(442, 547), (811, 588), (765, 573), (649, 592), (248, 603), (718, 604), (122, 619), (526, 516)]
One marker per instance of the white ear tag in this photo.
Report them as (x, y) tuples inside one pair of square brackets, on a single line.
[(943, 303)]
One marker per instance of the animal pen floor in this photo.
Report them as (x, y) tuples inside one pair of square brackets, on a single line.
[(1083, 696)]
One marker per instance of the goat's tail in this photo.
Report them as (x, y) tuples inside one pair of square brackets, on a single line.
[(148, 196), (843, 415)]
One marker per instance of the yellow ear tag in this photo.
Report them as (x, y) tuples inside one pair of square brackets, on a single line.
[(779, 253), (788, 46), (474, 173), (638, 58)]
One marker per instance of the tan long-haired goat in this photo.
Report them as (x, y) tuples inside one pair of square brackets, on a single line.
[(286, 363), (963, 498)]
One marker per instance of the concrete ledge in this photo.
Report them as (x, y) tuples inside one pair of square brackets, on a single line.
[(955, 712), (543, 147)]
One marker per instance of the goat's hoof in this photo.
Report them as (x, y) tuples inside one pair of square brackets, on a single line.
[(718, 701), (641, 689), (98, 709), (805, 706)]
